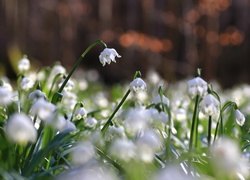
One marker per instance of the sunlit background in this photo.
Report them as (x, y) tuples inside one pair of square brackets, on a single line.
[(173, 37)]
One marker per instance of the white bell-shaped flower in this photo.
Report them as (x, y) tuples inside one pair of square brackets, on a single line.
[(42, 108), (23, 64), (26, 83), (157, 99), (239, 118), (138, 85), (108, 55), (20, 129), (197, 86), (5, 96), (33, 96), (209, 105), (80, 113)]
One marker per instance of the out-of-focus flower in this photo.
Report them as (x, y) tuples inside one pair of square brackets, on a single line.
[(42, 108), (226, 157), (69, 99), (239, 117), (23, 64), (209, 105), (80, 113), (89, 171), (36, 95), (108, 55), (172, 172), (157, 99), (57, 121), (138, 85), (90, 122), (26, 83), (123, 149), (69, 85), (5, 96), (197, 86), (82, 153), (137, 119), (115, 132), (148, 143), (20, 129)]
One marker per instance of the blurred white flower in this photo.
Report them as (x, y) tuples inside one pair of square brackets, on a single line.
[(69, 126), (209, 105), (26, 83), (197, 86), (108, 55), (69, 85), (23, 64), (239, 118), (33, 96), (69, 99), (137, 119), (138, 85), (90, 122), (115, 132), (42, 108), (157, 99), (57, 121), (226, 157), (147, 144), (90, 171), (150, 138), (172, 172), (123, 149), (5, 96), (82, 153), (20, 129), (80, 113)]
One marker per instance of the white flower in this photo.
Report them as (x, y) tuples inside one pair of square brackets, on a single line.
[(21, 129), (90, 122), (69, 85), (227, 157), (209, 105), (57, 121), (36, 95), (123, 149), (239, 118), (5, 96), (108, 55), (82, 153), (24, 64), (42, 108), (138, 85), (157, 99), (197, 86), (136, 120), (80, 113), (26, 83)]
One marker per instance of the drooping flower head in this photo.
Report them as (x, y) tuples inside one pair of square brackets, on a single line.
[(108, 55), (138, 85), (5, 96), (239, 118), (20, 129), (23, 64), (197, 86), (209, 105)]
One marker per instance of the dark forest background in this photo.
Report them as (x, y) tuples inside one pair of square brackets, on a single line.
[(174, 37)]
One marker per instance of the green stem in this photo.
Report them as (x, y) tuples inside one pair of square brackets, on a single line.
[(209, 131), (105, 127), (194, 121), (57, 96)]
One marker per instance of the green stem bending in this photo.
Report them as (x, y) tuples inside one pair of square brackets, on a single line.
[(105, 127), (194, 121), (57, 96), (209, 131)]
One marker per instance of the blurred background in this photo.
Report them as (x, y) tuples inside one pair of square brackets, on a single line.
[(173, 37)]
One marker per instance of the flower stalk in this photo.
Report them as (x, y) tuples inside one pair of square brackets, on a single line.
[(109, 122), (58, 95)]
